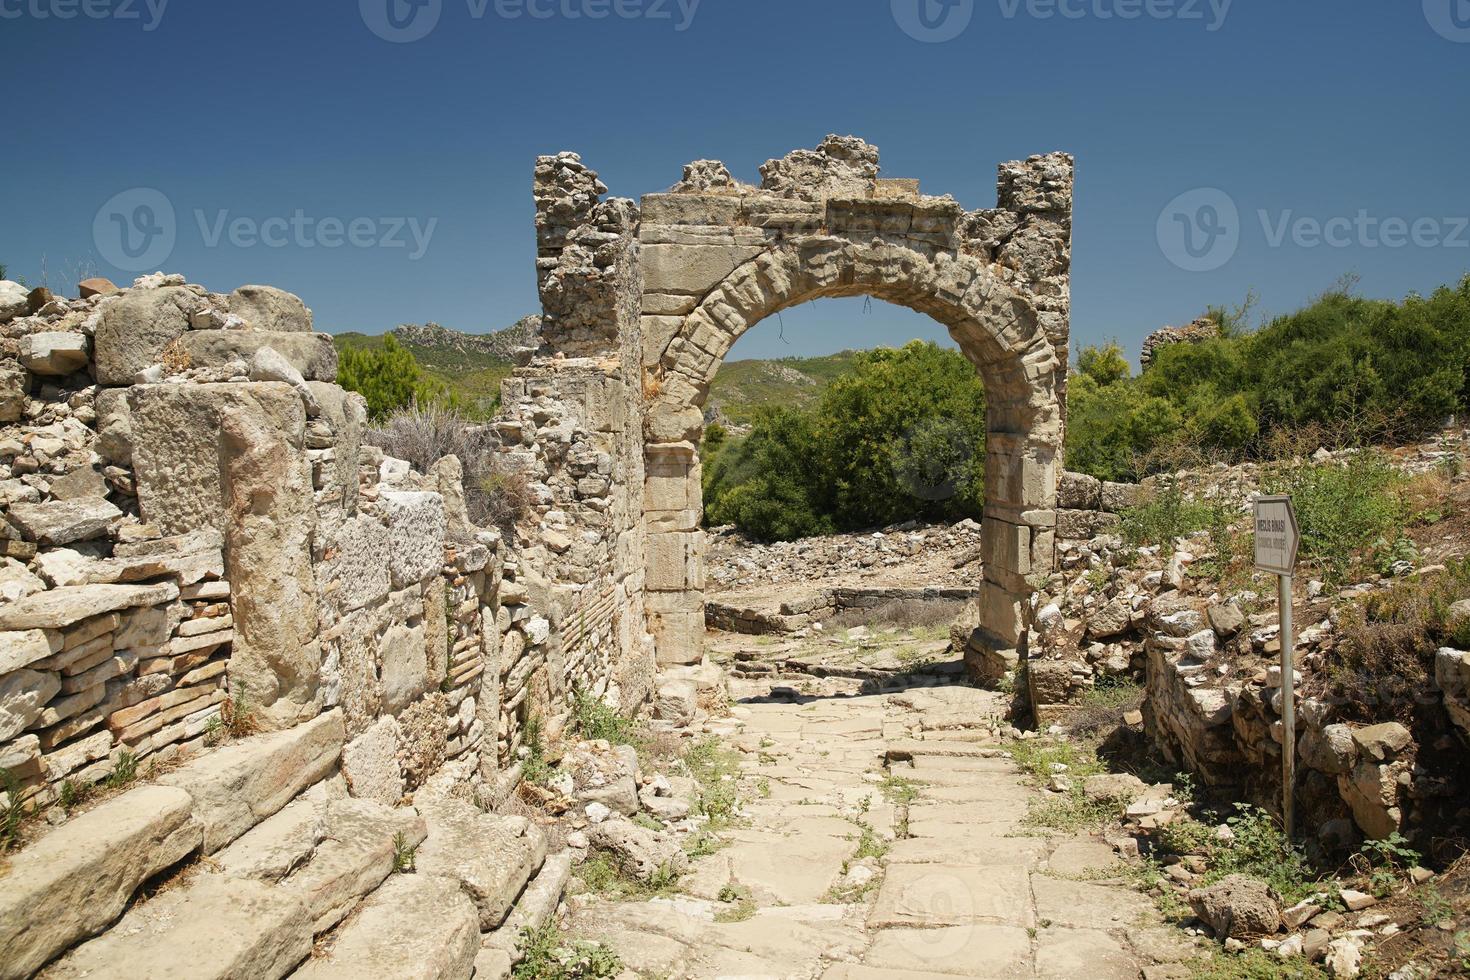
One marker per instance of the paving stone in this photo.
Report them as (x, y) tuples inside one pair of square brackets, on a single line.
[(1082, 905), (492, 857), (790, 870), (970, 950), (944, 895), (1066, 954), (1075, 858)]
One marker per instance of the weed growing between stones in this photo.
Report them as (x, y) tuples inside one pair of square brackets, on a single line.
[(594, 718), (1255, 846), (550, 955), (714, 768), (603, 876), (236, 719), (14, 814), (742, 904), (534, 767), (1068, 810), (1255, 964), (404, 854), (898, 790)]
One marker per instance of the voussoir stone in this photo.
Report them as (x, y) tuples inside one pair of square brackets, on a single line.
[(239, 785), (77, 879)]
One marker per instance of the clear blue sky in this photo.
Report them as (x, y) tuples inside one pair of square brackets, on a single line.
[(268, 108)]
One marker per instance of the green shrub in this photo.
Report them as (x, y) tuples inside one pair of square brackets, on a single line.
[(1342, 509), (594, 718), (1171, 514), (547, 954), (389, 378)]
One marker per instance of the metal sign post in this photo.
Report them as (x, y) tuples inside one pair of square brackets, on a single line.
[(1277, 540)]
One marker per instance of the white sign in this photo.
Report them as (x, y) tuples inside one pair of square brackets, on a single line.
[(1277, 535)]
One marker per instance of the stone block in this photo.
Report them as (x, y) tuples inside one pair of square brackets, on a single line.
[(77, 879), (490, 856), (405, 669), (415, 535), (55, 353), (1077, 491), (21, 648), (692, 270), (691, 209), (265, 308), (312, 354), (237, 786), (1083, 525), (59, 522), (675, 561), (356, 572), (134, 329), (13, 386), (415, 927), (1118, 497), (371, 763), (60, 608)]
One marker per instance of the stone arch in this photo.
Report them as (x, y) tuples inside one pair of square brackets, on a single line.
[(719, 257)]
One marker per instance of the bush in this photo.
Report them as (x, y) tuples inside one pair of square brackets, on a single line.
[(424, 433), (389, 378), (1342, 509), (901, 436), (1169, 514)]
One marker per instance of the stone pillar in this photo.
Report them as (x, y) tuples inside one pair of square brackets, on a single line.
[(673, 508)]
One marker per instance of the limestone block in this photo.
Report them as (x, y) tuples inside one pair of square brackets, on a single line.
[(267, 364), (658, 332), (114, 427), (55, 353), (416, 535), (212, 928), (675, 561), (1078, 491), (436, 630), (134, 329), (60, 608), (1006, 546), (1000, 613), (346, 413), (13, 386), (237, 786), (358, 564), (21, 648), (270, 309), (1118, 497), (1083, 525), (312, 354), (415, 927), (59, 522), (405, 666), (23, 695), (270, 510), (692, 270), (75, 880), (359, 693), (676, 620), (492, 857), (14, 300), (82, 482), (371, 763), (691, 209), (355, 857)]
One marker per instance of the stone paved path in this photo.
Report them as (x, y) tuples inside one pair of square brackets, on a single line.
[(962, 890)]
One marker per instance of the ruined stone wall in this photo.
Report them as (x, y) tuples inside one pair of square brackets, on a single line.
[(198, 543)]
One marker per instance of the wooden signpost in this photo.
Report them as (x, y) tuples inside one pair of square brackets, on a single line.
[(1277, 540)]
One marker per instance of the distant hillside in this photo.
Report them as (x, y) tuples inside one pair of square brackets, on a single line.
[(742, 387), (473, 365)]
